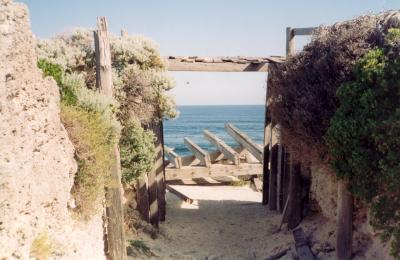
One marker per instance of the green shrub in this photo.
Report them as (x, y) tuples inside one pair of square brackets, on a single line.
[(94, 140), (137, 151), (57, 72), (363, 137)]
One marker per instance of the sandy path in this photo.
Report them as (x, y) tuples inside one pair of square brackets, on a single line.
[(224, 222)]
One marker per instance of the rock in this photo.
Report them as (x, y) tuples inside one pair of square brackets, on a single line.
[(37, 159)]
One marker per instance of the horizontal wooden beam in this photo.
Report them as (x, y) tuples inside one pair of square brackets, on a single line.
[(228, 151), (173, 157), (303, 31), (198, 152), (178, 65), (194, 172), (244, 140)]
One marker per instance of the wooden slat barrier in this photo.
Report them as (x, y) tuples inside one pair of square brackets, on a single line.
[(228, 151), (216, 170), (173, 157), (198, 152), (245, 141)]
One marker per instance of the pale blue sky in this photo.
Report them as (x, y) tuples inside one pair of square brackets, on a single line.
[(204, 28)]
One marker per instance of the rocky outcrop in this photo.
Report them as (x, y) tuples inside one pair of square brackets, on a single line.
[(37, 163)]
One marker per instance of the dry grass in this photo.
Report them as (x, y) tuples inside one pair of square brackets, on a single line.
[(94, 139), (41, 247)]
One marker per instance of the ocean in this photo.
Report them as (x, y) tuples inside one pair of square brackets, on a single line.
[(194, 119)]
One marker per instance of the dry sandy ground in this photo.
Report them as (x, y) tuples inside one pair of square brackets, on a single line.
[(225, 222)]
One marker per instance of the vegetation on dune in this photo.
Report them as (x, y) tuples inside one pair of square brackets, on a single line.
[(363, 137), (137, 151), (88, 118), (96, 123), (303, 89)]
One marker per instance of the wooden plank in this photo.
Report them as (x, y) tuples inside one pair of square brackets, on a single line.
[(228, 151), (179, 194), (115, 234), (178, 65), (303, 31), (142, 194), (266, 148), (290, 43), (344, 236), (301, 244), (160, 170), (173, 157), (245, 141), (279, 173), (295, 205), (272, 178), (193, 172), (215, 157), (198, 152)]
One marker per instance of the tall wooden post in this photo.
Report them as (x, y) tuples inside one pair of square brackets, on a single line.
[(272, 177), (290, 42), (344, 235), (294, 207), (116, 249), (266, 152), (160, 169), (279, 170)]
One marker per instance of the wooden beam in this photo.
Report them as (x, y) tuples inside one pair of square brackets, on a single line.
[(272, 194), (198, 152), (344, 235), (279, 173), (193, 172), (115, 238), (142, 195), (295, 201), (215, 156), (245, 141), (303, 31), (178, 65), (179, 194), (290, 43), (173, 157), (228, 151)]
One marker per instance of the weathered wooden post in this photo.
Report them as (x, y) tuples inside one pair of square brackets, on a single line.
[(290, 42), (266, 151), (160, 171), (156, 176), (116, 248), (294, 203), (344, 234)]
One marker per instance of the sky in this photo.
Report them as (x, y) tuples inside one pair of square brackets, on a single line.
[(205, 28)]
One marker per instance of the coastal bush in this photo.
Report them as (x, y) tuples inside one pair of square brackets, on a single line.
[(303, 89), (140, 95), (94, 140), (363, 137), (137, 151), (89, 120)]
